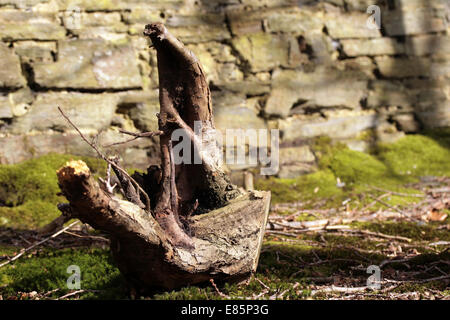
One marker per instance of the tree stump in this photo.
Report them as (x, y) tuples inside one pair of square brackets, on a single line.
[(182, 223)]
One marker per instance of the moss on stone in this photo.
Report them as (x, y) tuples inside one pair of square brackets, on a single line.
[(417, 155), (318, 184), (390, 167), (353, 167)]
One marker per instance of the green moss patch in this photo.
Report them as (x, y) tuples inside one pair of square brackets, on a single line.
[(417, 155), (46, 270), (29, 190), (345, 173)]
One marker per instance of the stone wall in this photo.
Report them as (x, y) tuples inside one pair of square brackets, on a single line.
[(308, 68)]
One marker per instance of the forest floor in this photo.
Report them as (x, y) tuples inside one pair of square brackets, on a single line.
[(385, 213)]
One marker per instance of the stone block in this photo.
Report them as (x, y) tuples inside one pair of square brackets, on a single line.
[(324, 88), (390, 93), (265, 51), (277, 19), (292, 171), (428, 45), (435, 116), (90, 64), (87, 111), (244, 22), (35, 51), (336, 126), (407, 122), (28, 25), (198, 28), (362, 5), (440, 67), (219, 67), (372, 47), (91, 25), (18, 148), (21, 101), (5, 107), (141, 15), (230, 112), (141, 107), (111, 5), (352, 25), (295, 20), (250, 87), (10, 69), (22, 4), (359, 68), (410, 5), (297, 154), (403, 67), (201, 33), (420, 21)]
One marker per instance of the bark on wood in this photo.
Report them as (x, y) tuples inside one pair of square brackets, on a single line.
[(165, 244)]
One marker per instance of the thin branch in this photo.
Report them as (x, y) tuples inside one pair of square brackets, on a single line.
[(374, 202), (101, 155), (87, 237), (292, 229), (401, 194), (120, 142), (223, 295), (50, 292), (281, 295), (334, 288), (378, 235), (136, 135), (74, 293), (434, 279), (148, 134), (440, 190), (262, 283), (389, 206)]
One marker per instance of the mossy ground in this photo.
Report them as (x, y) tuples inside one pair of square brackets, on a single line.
[(299, 266)]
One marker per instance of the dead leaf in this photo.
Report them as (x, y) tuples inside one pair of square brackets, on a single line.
[(436, 216)]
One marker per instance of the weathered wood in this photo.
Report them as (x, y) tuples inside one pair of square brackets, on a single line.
[(185, 98), (163, 244), (226, 241)]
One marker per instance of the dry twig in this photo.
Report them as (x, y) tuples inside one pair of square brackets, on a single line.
[(136, 135), (38, 243), (223, 295)]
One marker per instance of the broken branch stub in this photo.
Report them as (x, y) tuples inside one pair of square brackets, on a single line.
[(164, 245)]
